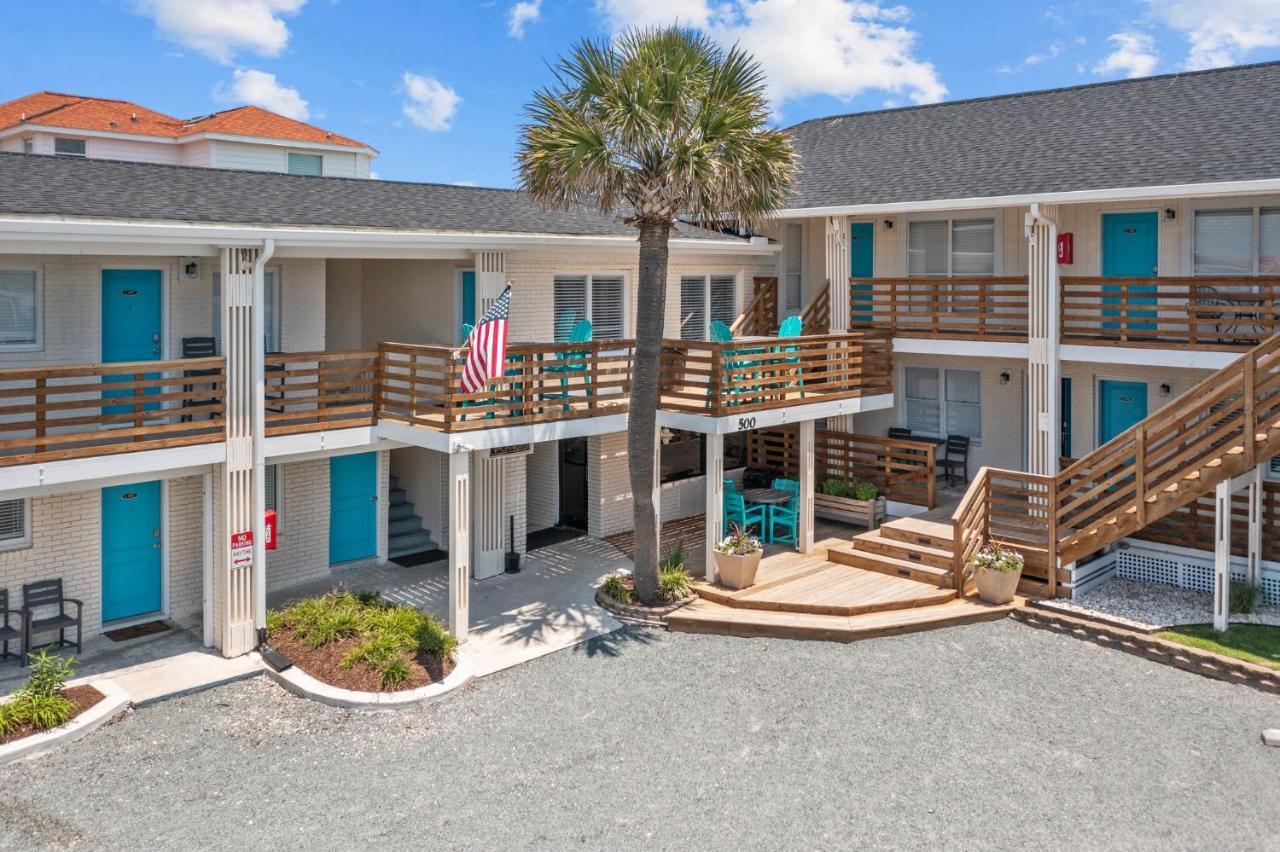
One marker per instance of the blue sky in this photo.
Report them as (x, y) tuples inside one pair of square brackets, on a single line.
[(438, 87)]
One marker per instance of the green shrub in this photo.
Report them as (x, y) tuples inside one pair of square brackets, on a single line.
[(434, 638), (864, 490), (858, 489), (674, 584), (615, 587), (40, 702), (1242, 597), (674, 559), (49, 673), (394, 672)]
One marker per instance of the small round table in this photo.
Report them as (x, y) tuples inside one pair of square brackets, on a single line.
[(767, 497)]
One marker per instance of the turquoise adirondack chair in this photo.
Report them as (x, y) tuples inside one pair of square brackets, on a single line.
[(720, 332), (786, 515), (730, 487), (568, 363), (736, 511), (792, 326)]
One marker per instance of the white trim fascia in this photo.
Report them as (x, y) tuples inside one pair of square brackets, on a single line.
[(71, 475), (1142, 357), (26, 127), (1082, 196), (959, 348), (335, 147), (287, 449), (483, 439), (749, 420), (320, 239)]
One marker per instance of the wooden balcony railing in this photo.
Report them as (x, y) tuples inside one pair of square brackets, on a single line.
[(543, 383), (1011, 509), (718, 379), (951, 308), (74, 411), (1217, 313), (311, 391), (761, 316), (905, 471)]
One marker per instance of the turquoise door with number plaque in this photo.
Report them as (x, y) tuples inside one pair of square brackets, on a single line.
[(1131, 250), (467, 295), (862, 254), (353, 507), (132, 325), (132, 577), (1120, 406)]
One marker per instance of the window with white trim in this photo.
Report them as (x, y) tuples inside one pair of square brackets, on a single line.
[(64, 147), (15, 524), (942, 402), (705, 299), (29, 145), (271, 489), (598, 298), (270, 315), (19, 309), (951, 247), (1240, 241), (793, 267), (305, 164)]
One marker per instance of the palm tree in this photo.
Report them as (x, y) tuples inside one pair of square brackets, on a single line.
[(655, 124)]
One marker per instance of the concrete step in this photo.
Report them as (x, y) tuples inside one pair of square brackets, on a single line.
[(397, 511), (416, 542), (398, 495), (848, 555), (403, 526), (874, 542)]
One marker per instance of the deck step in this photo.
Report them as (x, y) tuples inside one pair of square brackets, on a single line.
[(919, 531), (829, 589), (867, 561), (875, 542)]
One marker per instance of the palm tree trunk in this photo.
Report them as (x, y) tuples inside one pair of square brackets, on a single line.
[(651, 301)]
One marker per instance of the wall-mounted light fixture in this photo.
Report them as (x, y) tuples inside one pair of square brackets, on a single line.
[(888, 224), (1165, 388), (1170, 214), (1005, 378)]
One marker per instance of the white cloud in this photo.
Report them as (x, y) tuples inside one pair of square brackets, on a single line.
[(1223, 34), (429, 103), (841, 48), (221, 28), (465, 183), (1053, 52), (523, 13), (261, 88), (1134, 56)]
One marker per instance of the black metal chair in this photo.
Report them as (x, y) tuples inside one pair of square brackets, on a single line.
[(44, 595), (955, 456), (198, 347), (7, 633), (898, 433)]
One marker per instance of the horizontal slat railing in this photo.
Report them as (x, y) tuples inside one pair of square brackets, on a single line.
[(949, 308), (1012, 509), (542, 383), (1193, 525), (313, 391), (81, 410), (718, 379), (905, 471), (1201, 312), (761, 316)]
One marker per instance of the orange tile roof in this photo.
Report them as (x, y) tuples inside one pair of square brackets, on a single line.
[(57, 109)]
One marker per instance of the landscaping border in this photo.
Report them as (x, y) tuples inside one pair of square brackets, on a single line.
[(303, 685), (1205, 663), (644, 616), (114, 702)]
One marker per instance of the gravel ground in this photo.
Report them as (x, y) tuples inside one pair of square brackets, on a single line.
[(1152, 606), (988, 736)]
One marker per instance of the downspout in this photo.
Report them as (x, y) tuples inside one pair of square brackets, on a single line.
[(259, 440)]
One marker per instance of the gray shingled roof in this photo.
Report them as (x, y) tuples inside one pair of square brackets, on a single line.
[(72, 186), (1220, 125)]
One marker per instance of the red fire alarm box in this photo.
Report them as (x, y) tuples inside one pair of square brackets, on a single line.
[(1066, 248), (269, 529)]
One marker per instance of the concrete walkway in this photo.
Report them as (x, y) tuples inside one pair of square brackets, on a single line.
[(548, 606)]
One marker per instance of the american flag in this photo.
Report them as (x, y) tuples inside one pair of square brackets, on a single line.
[(488, 342)]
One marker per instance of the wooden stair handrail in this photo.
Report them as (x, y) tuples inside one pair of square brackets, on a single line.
[(761, 315), (816, 318)]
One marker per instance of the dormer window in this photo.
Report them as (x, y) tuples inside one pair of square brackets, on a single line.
[(306, 164), (64, 147)]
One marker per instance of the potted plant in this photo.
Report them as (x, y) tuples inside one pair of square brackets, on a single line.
[(857, 501), (737, 557), (996, 570)]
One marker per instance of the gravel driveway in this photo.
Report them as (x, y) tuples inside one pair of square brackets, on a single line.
[(993, 735)]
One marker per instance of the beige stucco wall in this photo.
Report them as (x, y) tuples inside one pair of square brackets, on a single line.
[(409, 301)]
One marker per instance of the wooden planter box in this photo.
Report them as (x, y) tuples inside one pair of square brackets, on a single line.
[(869, 513)]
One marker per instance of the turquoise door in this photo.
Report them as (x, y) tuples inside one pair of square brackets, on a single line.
[(468, 297), (132, 319), (1064, 411), (1130, 249), (353, 507), (862, 238), (131, 537), (1120, 406)]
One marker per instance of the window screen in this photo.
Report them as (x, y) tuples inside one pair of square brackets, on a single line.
[(922, 396), (306, 164), (1269, 242), (964, 403), (19, 304), (693, 307), (606, 307), (270, 492), (1224, 242), (69, 147), (973, 247), (793, 257), (927, 248), (13, 521), (570, 304), (724, 301)]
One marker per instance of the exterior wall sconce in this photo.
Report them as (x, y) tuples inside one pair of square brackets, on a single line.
[(1165, 388), (1005, 378), (888, 224), (1170, 214)]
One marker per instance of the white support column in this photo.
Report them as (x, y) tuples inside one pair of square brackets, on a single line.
[(838, 292), (459, 543), (207, 554), (715, 500), (491, 277), (1253, 573), (1043, 364), (804, 531), (1221, 554)]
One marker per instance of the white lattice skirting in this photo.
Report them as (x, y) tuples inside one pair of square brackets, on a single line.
[(1181, 567)]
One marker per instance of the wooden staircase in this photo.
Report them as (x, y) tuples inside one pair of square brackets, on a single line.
[(1221, 428), (912, 548)]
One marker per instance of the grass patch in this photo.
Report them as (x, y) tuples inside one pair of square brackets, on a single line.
[(361, 633), (1253, 643)]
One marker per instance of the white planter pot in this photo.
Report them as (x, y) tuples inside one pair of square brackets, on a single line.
[(997, 587), (737, 572)]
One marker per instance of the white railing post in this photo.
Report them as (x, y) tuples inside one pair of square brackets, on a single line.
[(1253, 575), (1221, 554), (1043, 366), (715, 500)]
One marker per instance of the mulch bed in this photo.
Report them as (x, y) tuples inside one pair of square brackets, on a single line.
[(83, 696), (323, 664), (637, 611), (149, 628)]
